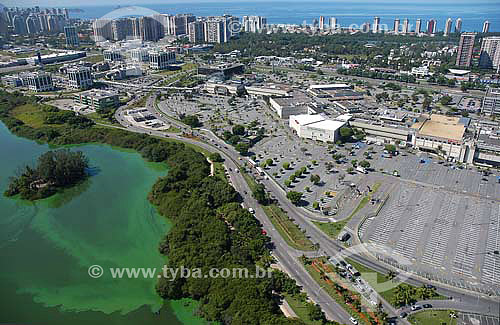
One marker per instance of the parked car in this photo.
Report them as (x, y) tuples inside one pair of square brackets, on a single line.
[(427, 305), (353, 320), (416, 307), (403, 315)]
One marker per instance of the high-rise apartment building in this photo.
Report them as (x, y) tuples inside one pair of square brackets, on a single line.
[(196, 31), (458, 25), (71, 36), (253, 24), (406, 26), (396, 26), (486, 27), (418, 26), (431, 26), (447, 27), (490, 52), (465, 49), (102, 30), (321, 22), (376, 25), (333, 23)]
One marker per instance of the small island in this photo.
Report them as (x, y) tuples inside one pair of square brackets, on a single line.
[(54, 170)]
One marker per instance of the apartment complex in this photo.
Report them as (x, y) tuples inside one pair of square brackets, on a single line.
[(491, 102), (465, 48), (490, 52)]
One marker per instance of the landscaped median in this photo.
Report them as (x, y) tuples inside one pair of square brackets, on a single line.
[(287, 229), (400, 294), (331, 282)]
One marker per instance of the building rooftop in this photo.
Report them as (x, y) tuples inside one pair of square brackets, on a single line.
[(330, 86), (328, 125), (98, 93), (441, 126), (305, 119)]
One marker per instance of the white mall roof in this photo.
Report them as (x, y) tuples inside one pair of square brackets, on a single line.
[(330, 86), (306, 119), (327, 125), (459, 72)]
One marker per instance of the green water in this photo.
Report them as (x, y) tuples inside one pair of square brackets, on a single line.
[(47, 247)]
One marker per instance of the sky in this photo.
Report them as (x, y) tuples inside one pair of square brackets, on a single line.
[(76, 3)]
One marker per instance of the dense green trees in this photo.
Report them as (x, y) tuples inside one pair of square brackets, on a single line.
[(239, 129), (191, 120), (260, 194), (54, 170), (315, 179), (215, 157), (294, 197)]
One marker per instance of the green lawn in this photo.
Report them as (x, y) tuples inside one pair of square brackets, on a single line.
[(290, 232), (432, 317), (300, 308), (30, 114), (94, 58)]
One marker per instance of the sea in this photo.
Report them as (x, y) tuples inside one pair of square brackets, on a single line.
[(473, 13)]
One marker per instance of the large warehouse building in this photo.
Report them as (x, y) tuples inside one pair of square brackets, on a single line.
[(443, 135), (316, 127)]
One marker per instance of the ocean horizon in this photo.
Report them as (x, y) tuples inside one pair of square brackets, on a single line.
[(473, 13)]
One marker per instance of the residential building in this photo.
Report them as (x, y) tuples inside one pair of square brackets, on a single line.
[(486, 27), (418, 26), (458, 25), (406, 26), (465, 48), (80, 77), (71, 36), (431, 26), (491, 102), (196, 31), (490, 52), (396, 26), (160, 60), (333, 24), (447, 27), (376, 25), (102, 30), (39, 81), (322, 22), (253, 24)]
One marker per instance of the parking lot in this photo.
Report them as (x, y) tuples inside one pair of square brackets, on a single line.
[(474, 319), (448, 236)]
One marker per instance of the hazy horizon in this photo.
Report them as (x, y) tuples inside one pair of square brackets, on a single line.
[(88, 3)]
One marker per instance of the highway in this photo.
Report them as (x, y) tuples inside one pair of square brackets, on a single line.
[(462, 300)]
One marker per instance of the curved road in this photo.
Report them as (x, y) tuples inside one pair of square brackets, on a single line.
[(461, 300)]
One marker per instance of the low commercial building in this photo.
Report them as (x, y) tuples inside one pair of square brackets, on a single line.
[(12, 81), (491, 102), (443, 135), (487, 149), (380, 132), (268, 91), (39, 81), (226, 70), (98, 99), (316, 127), (224, 89), (56, 57), (297, 105)]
